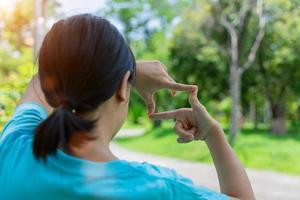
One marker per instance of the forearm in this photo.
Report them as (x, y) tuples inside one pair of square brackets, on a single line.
[(34, 93), (232, 176)]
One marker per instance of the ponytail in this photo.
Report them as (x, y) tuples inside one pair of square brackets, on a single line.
[(56, 131)]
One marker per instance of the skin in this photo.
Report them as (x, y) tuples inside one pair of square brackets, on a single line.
[(193, 123)]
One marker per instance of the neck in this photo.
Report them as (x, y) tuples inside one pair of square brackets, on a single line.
[(96, 149), (105, 128)]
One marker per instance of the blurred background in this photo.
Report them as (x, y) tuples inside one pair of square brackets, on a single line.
[(243, 54)]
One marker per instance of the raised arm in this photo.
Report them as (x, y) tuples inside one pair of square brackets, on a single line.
[(34, 93), (196, 124)]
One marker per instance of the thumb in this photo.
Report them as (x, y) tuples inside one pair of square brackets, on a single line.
[(197, 107), (193, 99)]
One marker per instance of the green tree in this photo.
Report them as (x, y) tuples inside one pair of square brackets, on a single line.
[(236, 19), (230, 31), (278, 71), (195, 58)]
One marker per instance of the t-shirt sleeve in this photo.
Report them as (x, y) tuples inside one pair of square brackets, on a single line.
[(184, 188), (26, 118)]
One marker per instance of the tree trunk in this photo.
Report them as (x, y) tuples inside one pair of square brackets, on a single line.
[(235, 90), (278, 118), (252, 113), (266, 113)]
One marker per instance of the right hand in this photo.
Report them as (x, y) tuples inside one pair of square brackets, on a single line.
[(191, 123), (152, 76)]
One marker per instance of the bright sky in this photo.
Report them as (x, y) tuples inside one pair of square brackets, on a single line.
[(71, 7), (78, 6), (7, 5), (68, 6)]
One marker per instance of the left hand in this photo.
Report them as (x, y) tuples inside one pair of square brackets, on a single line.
[(152, 76), (193, 123)]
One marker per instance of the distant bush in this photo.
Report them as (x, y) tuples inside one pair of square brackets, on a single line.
[(14, 84)]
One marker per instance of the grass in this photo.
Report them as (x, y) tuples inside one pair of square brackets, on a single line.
[(255, 148)]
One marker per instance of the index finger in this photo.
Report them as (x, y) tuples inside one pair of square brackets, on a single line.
[(164, 115), (181, 87)]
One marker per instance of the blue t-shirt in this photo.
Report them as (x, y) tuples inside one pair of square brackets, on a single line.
[(66, 177)]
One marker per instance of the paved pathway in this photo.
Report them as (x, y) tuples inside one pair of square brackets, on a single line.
[(267, 185), (130, 132)]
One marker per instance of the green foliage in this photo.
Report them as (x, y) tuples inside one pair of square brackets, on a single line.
[(137, 109), (14, 84), (280, 49), (10, 59), (195, 54), (275, 75), (199, 55)]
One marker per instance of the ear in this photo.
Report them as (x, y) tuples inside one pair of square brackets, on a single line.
[(122, 93)]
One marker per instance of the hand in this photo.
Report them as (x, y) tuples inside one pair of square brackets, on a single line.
[(152, 76), (191, 123)]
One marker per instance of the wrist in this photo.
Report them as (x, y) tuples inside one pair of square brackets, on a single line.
[(214, 132)]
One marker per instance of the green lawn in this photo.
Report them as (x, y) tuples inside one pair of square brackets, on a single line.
[(255, 148)]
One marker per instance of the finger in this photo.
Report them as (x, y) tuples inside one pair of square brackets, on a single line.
[(185, 140), (150, 104), (180, 87), (164, 115), (182, 140), (197, 107), (182, 133), (197, 135), (193, 99), (193, 131)]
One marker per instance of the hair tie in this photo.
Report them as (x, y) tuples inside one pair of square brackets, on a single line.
[(73, 110)]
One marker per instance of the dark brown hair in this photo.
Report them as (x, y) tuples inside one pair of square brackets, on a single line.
[(82, 61)]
